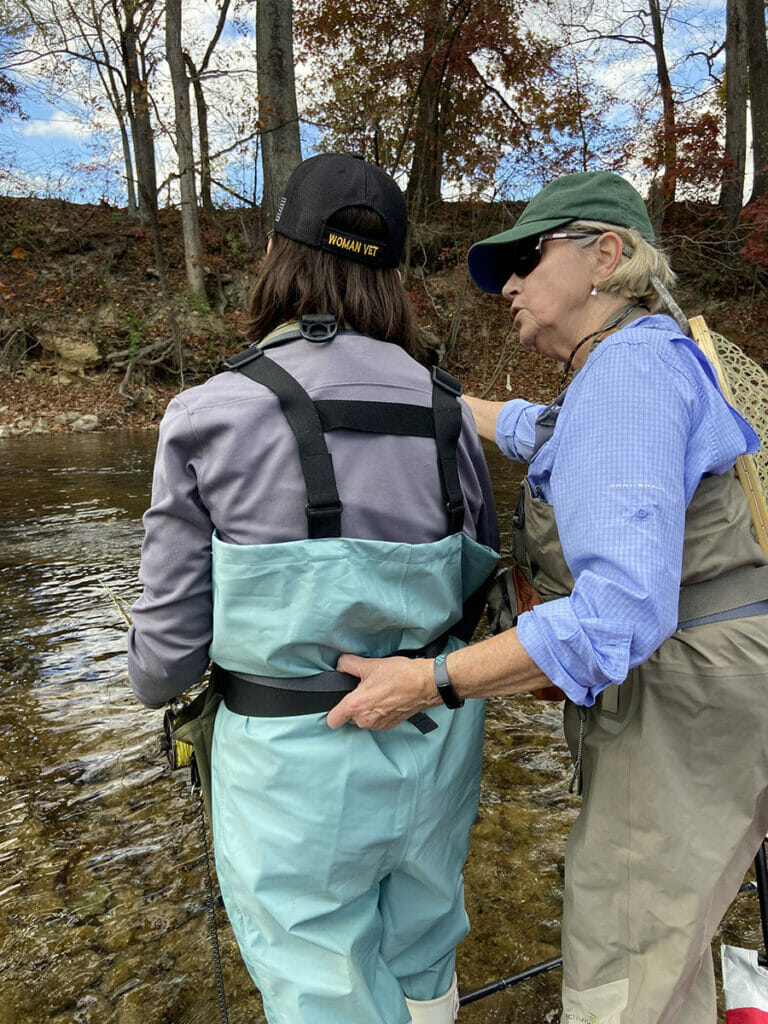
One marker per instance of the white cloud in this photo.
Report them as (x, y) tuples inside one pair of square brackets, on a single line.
[(59, 125)]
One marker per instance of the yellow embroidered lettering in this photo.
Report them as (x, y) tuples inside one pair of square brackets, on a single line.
[(351, 244)]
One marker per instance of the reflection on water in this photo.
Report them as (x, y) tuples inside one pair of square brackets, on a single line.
[(102, 872), (101, 891)]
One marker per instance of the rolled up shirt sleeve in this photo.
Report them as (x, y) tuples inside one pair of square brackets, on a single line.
[(516, 428)]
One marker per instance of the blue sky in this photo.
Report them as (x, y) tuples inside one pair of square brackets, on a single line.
[(45, 154)]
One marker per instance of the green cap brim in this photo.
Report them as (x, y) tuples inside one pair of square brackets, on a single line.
[(489, 260), (600, 196)]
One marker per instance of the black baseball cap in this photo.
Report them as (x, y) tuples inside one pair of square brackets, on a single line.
[(329, 182)]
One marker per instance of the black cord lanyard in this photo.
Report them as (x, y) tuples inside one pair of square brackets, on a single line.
[(602, 333)]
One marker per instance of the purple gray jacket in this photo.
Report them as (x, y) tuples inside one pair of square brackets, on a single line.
[(226, 461)]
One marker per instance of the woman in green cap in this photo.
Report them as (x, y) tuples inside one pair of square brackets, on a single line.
[(652, 613)]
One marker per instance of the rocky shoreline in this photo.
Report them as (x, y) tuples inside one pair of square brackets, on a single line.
[(77, 422), (34, 402)]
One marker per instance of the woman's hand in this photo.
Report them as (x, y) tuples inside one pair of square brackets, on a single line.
[(389, 692), (393, 689)]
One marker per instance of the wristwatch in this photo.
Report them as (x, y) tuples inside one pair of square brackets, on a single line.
[(450, 698)]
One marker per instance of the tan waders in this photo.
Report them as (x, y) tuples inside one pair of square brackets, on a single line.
[(675, 788)]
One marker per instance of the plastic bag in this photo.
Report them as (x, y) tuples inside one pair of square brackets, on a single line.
[(745, 986)]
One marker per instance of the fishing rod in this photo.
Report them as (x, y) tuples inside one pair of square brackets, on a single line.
[(761, 880), (514, 979)]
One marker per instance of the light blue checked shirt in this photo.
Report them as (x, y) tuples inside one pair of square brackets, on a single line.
[(641, 423)]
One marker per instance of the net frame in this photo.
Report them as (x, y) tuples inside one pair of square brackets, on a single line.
[(744, 384)]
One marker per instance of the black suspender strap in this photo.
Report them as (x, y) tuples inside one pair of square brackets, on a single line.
[(323, 506), (447, 416), (442, 421), (376, 417), (309, 420)]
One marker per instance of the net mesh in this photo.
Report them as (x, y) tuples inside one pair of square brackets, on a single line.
[(749, 386)]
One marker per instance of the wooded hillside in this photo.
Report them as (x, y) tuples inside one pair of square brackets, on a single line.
[(190, 121), (86, 327)]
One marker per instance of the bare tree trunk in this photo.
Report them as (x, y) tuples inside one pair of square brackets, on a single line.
[(130, 181), (424, 178), (137, 107), (114, 87), (278, 113), (732, 186), (443, 22), (196, 77), (87, 22), (669, 130), (421, 181), (190, 223), (757, 49), (203, 137)]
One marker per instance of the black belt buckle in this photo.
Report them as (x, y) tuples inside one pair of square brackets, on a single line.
[(455, 510), (421, 719), (423, 722)]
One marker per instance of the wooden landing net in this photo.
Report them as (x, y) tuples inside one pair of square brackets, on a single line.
[(745, 386)]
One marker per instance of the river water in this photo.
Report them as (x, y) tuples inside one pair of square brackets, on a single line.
[(103, 914)]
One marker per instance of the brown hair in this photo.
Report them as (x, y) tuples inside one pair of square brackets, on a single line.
[(295, 280)]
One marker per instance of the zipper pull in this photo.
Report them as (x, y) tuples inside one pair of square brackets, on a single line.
[(577, 779)]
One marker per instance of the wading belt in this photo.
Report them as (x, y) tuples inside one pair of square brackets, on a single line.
[(270, 697), (309, 421), (739, 594)]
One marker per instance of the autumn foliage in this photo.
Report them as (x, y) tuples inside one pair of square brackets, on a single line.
[(446, 88)]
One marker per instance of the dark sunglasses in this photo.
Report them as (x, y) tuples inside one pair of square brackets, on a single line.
[(525, 260)]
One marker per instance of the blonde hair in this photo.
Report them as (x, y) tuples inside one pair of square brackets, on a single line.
[(640, 267)]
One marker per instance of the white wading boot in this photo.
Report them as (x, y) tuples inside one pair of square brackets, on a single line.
[(443, 1010)]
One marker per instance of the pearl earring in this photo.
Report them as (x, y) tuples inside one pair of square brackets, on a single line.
[(594, 291)]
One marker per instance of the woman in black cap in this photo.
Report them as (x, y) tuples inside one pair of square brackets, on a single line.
[(652, 613), (325, 492)]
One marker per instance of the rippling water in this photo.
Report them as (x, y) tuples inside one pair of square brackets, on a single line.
[(102, 869)]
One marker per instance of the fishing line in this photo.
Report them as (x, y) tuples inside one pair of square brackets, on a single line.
[(180, 755)]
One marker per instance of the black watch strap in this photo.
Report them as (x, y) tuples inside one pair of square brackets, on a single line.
[(450, 698)]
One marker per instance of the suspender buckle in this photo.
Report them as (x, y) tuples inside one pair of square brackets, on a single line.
[(446, 381), (324, 520), (240, 359), (455, 515), (318, 327)]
